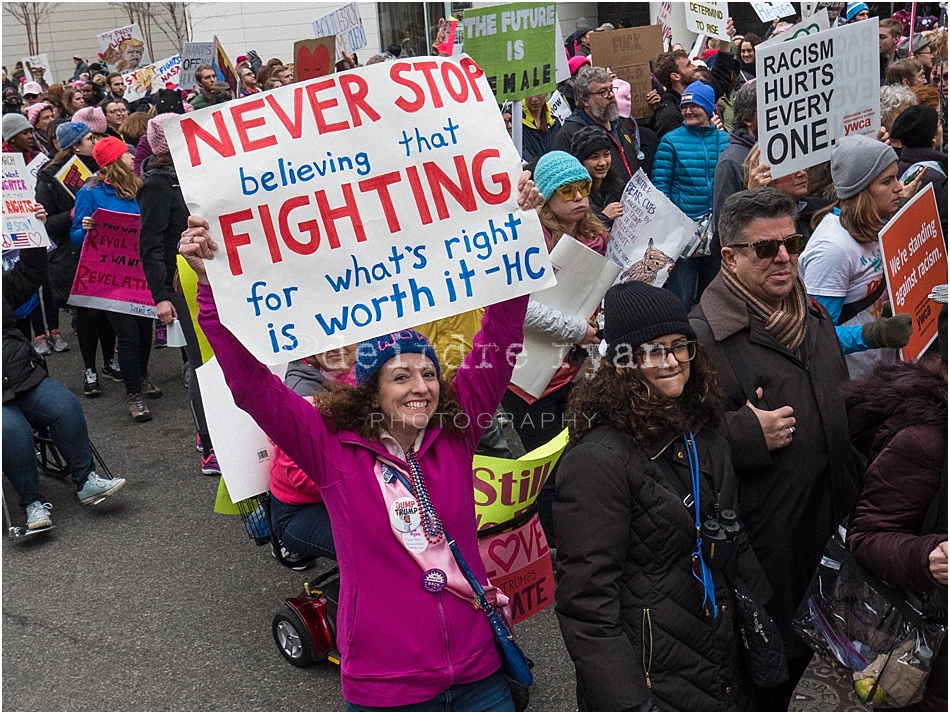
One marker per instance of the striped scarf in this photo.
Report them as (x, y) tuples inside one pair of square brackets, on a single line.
[(787, 324)]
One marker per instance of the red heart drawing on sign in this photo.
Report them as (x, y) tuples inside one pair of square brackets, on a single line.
[(35, 238), (313, 64), (504, 546)]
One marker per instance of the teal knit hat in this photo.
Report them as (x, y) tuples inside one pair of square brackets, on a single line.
[(556, 169)]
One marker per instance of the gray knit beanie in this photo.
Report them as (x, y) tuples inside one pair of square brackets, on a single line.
[(13, 124), (857, 161)]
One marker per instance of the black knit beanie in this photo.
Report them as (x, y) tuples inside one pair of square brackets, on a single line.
[(916, 126), (588, 140), (635, 313)]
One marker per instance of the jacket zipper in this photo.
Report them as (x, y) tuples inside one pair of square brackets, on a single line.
[(646, 631)]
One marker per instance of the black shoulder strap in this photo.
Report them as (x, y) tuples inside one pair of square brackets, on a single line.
[(739, 368), (853, 309)]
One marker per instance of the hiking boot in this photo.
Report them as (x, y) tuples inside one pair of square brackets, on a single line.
[(112, 370), (137, 408), (149, 389), (96, 488), (59, 344), (41, 345), (161, 336), (37, 515), (92, 388), (209, 464)]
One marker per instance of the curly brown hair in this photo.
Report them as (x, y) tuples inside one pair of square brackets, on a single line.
[(618, 396), (352, 408)]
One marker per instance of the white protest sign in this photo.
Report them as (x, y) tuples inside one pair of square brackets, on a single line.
[(707, 18), (243, 450), (21, 228), (123, 49), (812, 26), (562, 70), (583, 277), (809, 9), (360, 203), (193, 55), (560, 109), (814, 90), (650, 235), (36, 68), (346, 25), (663, 20), (149, 79), (33, 168), (768, 11)]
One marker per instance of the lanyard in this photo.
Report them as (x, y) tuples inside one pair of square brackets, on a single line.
[(705, 575)]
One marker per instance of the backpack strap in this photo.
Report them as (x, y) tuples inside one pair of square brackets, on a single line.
[(853, 309)]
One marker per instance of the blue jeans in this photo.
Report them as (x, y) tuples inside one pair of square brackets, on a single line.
[(134, 338), (303, 529), (51, 405), (487, 695), (691, 277)]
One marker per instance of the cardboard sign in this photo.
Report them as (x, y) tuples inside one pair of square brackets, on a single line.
[(628, 53), (73, 175), (147, 80), (314, 58), (110, 276), (707, 18), (814, 24), (193, 55), (915, 261), (814, 90), (583, 277), (650, 235), (21, 227), (768, 11), (124, 49), (346, 26), (506, 488), (514, 45), (358, 204), (519, 564), (37, 68)]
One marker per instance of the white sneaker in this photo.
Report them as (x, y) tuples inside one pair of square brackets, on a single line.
[(96, 488), (37, 515)]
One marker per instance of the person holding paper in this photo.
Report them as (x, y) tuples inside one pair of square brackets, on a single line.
[(842, 265), (114, 188), (684, 171), (392, 458), (565, 186), (645, 609)]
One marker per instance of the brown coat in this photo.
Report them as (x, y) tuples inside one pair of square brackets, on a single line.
[(791, 499)]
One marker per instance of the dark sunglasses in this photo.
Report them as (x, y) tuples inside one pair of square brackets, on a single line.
[(768, 249)]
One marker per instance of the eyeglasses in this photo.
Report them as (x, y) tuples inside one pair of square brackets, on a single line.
[(653, 354), (768, 249), (568, 191), (605, 93), (118, 111)]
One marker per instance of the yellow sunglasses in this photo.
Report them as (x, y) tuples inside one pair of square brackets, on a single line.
[(568, 191)]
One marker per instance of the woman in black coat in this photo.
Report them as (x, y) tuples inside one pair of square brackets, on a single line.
[(648, 622), (164, 216), (93, 329)]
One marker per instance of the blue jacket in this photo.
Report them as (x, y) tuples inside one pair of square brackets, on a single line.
[(91, 197), (685, 164)]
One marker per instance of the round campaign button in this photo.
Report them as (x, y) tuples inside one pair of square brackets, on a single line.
[(415, 541), (435, 580), (404, 514)]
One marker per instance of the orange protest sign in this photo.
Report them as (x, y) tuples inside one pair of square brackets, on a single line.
[(915, 261)]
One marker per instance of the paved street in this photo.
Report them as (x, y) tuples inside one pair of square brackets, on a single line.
[(151, 601)]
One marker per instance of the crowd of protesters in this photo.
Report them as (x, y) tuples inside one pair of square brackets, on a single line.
[(767, 377)]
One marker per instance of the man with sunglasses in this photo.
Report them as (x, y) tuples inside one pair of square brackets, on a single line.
[(597, 107), (781, 366)]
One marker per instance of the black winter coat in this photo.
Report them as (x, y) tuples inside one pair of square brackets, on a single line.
[(164, 216), (23, 368), (728, 178), (790, 500), (629, 607)]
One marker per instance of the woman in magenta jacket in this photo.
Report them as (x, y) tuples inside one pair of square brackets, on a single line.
[(409, 635)]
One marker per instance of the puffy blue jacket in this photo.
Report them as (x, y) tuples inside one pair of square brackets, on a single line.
[(93, 196), (685, 165)]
